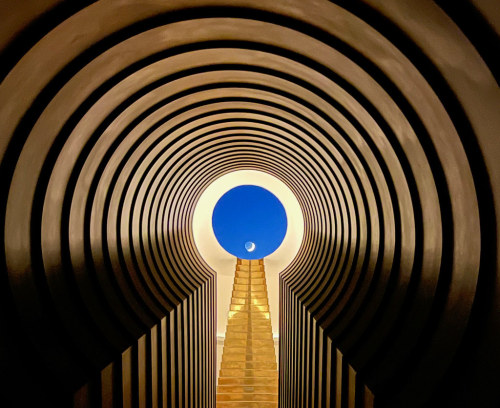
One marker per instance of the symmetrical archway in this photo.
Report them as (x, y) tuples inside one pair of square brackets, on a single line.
[(382, 119)]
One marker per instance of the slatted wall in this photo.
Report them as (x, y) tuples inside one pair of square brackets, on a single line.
[(313, 372), (170, 366)]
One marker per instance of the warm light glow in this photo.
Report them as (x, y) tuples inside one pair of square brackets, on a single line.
[(222, 262), (219, 259)]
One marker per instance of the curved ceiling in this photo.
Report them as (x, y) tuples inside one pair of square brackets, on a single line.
[(380, 117)]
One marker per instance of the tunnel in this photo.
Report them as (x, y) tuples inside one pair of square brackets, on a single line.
[(382, 117)]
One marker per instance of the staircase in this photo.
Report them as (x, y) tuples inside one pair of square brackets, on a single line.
[(248, 376)]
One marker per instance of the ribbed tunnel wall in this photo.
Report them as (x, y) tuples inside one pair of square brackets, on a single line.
[(381, 116)]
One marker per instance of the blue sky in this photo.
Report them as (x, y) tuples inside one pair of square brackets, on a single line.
[(249, 214)]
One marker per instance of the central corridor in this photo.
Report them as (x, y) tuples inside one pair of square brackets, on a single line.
[(248, 375)]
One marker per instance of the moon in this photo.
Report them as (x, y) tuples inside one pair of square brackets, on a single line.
[(250, 246)]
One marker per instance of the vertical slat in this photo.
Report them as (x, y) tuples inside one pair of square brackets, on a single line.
[(329, 371), (173, 357), (320, 369), (141, 363), (204, 391), (149, 376), (368, 398), (351, 388), (179, 369), (127, 378), (82, 397), (191, 359), (213, 330), (293, 351), (107, 382), (164, 363), (196, 356), (185, 347), (299, 384), (339, 379), (314, 355), (155, 363), (307, 360)]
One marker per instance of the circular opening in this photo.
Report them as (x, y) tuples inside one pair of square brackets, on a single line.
[(220, 260), (249, 222)]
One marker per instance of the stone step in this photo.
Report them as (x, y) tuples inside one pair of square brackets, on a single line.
[(251, 289), (254, 318), (249, 295), (249, 268), (251, 325), (244, 343), (254, 272), (250, 274), (246, 404), (247, 372), (258, 322), (248, 281), (254, 287), (242, 355), (247, 314), (268, 349), (251, 308), (251, 328), (247, 397), (253, 321), (268, 389), (245, 301), (243, 351), (249, 365), (253, 335), (240, 328), (248, 381)]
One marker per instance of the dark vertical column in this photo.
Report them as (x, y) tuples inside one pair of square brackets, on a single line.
[(127, 378), (155, 362), (313, 372), (142, 359), (165, 390)]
